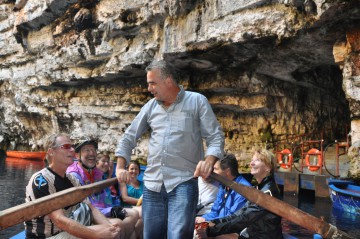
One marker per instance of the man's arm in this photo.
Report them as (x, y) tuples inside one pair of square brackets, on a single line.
[(128, 142), (76, 229), (211, 160), (99, 218), (211, 130), (212, 133), (122, 174)]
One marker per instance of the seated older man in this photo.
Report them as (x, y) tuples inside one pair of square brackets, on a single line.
[(86, 171), (81, 220)]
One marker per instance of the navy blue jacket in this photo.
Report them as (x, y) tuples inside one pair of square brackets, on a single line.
[(227, 201), (260, 223)]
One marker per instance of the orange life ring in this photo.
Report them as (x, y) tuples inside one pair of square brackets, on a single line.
[(285, 158), (318, 164)]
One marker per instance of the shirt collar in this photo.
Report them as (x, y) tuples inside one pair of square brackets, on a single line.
[(179, 96)]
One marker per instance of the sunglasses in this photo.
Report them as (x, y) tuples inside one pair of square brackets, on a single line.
[(64, 146)]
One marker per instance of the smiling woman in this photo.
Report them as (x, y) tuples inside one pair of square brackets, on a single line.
[(262, 164), (132, 192), (103, 163)]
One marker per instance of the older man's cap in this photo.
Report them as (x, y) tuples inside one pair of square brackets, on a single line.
[(85, 141)]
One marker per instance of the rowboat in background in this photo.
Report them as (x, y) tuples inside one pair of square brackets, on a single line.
[(345, 195), (39, 155)]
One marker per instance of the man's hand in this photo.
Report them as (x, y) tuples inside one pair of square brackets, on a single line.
[(122, 175), (201, 229), (205, 167), (199, 219), (109, 232)]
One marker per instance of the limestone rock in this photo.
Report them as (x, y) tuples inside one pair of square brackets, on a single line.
[(270, 69), (83, 19)]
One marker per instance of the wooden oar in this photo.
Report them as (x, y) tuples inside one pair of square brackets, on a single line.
[(283, 209), (50, 203)]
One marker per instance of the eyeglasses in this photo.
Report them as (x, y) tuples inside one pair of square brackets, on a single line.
[(64, 146)]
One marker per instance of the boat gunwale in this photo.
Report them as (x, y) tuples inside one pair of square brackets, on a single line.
[(346, 192)]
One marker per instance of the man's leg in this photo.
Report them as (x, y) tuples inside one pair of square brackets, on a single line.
[(182, 210), (128, 224), (154, 212), (139, 226)]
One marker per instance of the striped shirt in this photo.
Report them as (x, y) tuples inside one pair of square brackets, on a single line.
[(43, 183)]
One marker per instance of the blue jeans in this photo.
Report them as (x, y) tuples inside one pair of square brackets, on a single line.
[(171, 214)]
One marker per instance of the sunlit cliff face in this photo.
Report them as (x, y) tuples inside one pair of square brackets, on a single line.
[(270, 69)]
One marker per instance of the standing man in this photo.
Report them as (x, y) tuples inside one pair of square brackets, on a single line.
[(74, 221), (86, 172), (178, 121)]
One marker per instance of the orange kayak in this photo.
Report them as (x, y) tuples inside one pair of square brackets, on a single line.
[(26, 155)]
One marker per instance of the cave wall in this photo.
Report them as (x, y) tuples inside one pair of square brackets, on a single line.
[(267, 67), (347, 53)]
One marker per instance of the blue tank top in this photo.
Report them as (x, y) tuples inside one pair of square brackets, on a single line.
[(134, 192)]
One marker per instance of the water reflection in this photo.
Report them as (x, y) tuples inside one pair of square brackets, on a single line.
[(349, 222), (14, 176), (2, 166), (320, 208)]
